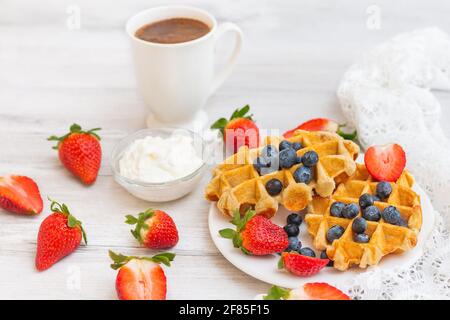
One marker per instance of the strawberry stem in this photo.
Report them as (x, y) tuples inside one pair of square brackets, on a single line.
[(140, 223), (240, 223), (277, 293), (222, 123), (347, 136), (72, 222), (74, 128), (119, 260)]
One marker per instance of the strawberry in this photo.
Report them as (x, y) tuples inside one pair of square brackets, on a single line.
[(322, 124), (309, 291), (300, 265), (239, 130), (155, 229), (80, 152), (20, 194), (385, 163), (59, 235), (256, 234), (141, 278)]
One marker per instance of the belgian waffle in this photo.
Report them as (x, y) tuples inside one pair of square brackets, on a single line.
[(385, 238), (237, 185)]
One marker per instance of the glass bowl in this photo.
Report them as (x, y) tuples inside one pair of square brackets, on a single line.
[(159, 191)]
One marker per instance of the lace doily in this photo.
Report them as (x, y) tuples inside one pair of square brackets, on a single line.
[(386, 96)]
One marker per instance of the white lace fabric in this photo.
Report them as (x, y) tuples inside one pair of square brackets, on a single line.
[(387, 97)]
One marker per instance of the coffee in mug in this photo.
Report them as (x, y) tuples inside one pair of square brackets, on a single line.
[(175, 68), (174, 30)]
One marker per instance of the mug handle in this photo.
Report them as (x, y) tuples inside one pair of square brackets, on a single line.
[(222, 75)]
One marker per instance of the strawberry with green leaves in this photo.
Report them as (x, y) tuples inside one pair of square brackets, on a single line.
[(309, 291), (80, 152), (239, 130), (59, 235), (141, 278), (154, 229), (256, 234), (322, 124)]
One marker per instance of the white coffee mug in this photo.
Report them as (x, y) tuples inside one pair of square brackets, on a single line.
[(175, 80)]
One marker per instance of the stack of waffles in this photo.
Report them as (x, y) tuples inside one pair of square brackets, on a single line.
[(238, 184)]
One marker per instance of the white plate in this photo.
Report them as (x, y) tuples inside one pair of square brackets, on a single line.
[(265, 269)]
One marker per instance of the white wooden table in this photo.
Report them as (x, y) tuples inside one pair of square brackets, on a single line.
[(51, 76)]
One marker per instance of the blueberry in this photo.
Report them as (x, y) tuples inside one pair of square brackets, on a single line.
[(296, 146), (376, 198), (294, 218), (403, 223), (299, 159), (303, 175), (350, 211), (391, 215), (384, 190), (371, 213), (323, 255), (359, 225), (269, 152), (310, 158), (284, 145), (294, 244), (262, 162), (336, 209), (307, 252), (299, 246), (288, 157), (270, 169), (335, 232), (274, 187), (292, 230), (266, 170), (262, 165), (365, 200), (361, 238)]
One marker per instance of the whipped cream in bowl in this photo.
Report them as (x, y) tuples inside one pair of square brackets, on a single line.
[(159, 165)]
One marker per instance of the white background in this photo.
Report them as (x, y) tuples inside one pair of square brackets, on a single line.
[(51, 76)]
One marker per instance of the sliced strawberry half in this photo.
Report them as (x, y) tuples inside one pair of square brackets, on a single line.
[(322, 124), (141, 278), (20, 194), (385, 163), (309, 291), (318, 291), (317, 124), (300, 265)]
